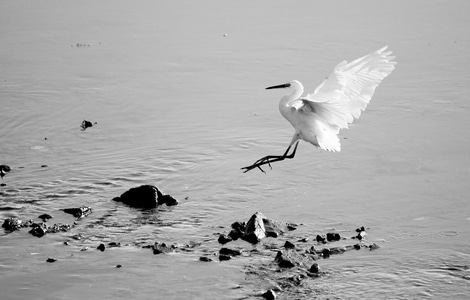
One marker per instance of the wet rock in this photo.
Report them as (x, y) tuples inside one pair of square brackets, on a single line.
[(238, 229), (325, 253), (229, 252), (291, 258), (4, 169), (38, 230), (314, 268), (320, 239), (86, 124), (224, 239), (12, 224), (205, 259), (333, 237), (51, 260), (360, 229), (45, 217), (223, 257), (58, 228), (78, 212), (255, 230), (269, 295), (101, 247), (291, 226), (145, 196), (289, 245), (162, 248)]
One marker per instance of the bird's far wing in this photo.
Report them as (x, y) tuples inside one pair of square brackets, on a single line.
[(349, 88)]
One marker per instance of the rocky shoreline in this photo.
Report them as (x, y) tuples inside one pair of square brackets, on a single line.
[(293, 261)]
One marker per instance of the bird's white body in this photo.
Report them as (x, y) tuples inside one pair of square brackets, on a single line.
[(318, 117)]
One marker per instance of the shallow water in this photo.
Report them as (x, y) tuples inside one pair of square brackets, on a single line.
[(177, 90)]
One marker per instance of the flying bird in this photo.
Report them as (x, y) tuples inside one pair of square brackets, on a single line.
[(335, 103)]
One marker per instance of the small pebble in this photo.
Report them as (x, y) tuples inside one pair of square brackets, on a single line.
[(51, 260)]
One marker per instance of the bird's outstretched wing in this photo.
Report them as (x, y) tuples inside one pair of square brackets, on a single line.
[(349, 88)]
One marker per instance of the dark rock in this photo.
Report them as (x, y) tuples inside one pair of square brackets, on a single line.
[(39, 230), (255, 230), (238, 228), (325, 253), (118, 266), (45, 217), (224, 239), (85, 124), (360, 229), (229, 252), (12, 224), (291, 226), (289, 245), (333, 236), (161, 248), (314, 268), (357, 247), (205, 259), (51, 260), (269, 295), (114, 244), (374, 246), (320, 239), (101, 247), (145, 196), (223, 257), (167, 199), (58, 228), (4, 169), (78, 212)]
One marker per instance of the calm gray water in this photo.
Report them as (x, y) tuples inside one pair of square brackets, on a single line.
[(177, 89)]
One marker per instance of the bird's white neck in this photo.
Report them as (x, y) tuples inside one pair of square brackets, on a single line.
[(297, 91)]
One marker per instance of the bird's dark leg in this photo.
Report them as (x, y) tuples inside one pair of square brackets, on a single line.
[(270, 159)]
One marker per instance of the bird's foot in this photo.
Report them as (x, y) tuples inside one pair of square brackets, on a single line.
[(267, 160)]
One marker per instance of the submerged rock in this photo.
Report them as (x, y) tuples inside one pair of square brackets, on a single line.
[(162, 248), (78, 212), (45, 217), (145, 196), (85, 124)]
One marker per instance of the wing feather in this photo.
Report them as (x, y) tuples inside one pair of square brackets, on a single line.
[(341, 98)]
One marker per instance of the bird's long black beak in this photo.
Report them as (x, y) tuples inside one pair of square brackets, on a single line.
[(281, 86)]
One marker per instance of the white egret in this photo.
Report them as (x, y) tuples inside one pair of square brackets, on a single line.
[(318, 117)]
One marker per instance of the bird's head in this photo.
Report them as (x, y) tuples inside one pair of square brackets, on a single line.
[(293, 84)]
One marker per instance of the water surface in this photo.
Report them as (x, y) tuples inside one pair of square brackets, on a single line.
[(177, 90)]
